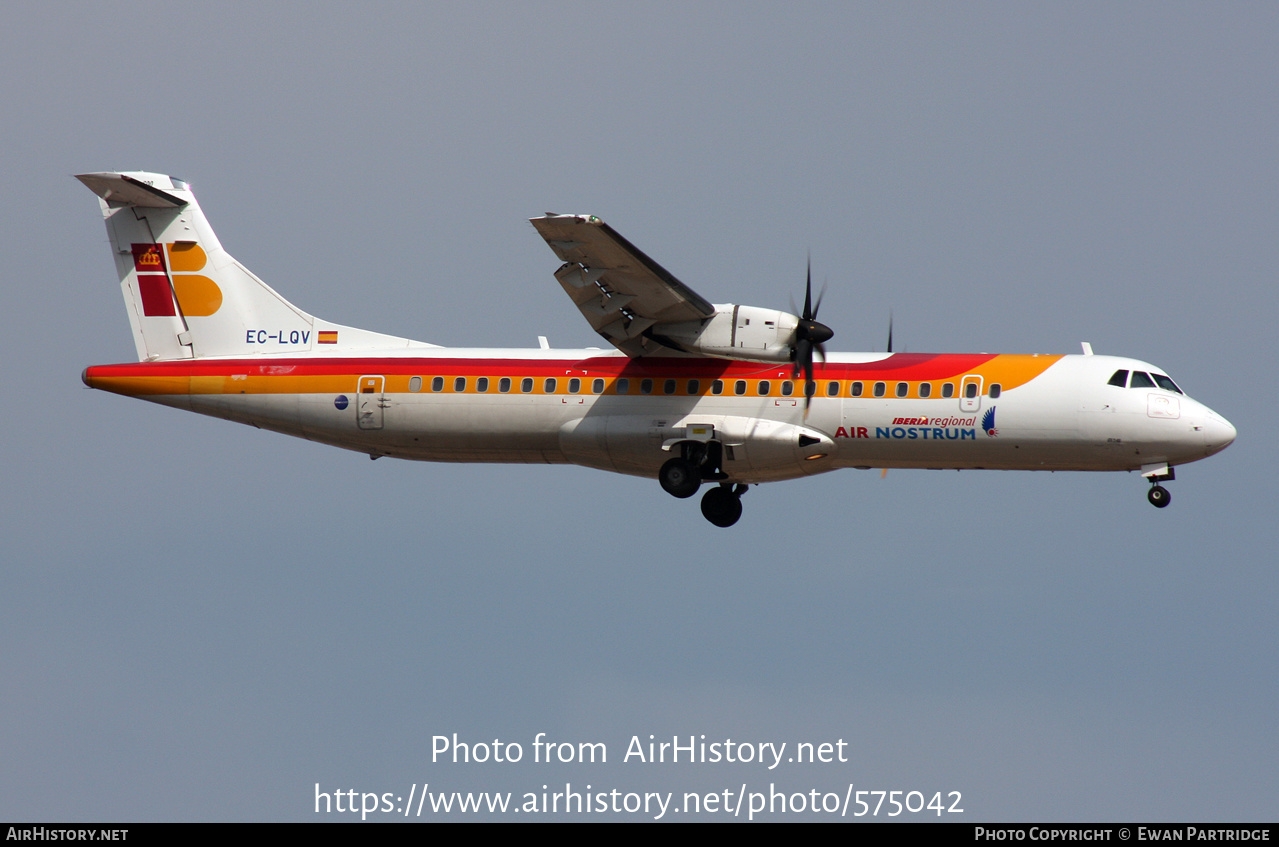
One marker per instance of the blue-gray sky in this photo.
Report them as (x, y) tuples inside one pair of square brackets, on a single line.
[(202, 620)]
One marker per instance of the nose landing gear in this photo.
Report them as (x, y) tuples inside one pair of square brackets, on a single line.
[(1158, 495)]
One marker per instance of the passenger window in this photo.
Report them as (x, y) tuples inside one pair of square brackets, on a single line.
[(574, 385), (948, 389), (622, 386), (739, 387), (415, 383), (646, 386), (925, 389), (970, 390), (437, 383), (902, 388), (597, 386), (668, 387), (1166, 383), (1119, 379), (504, 384), (482, 384), (548, 386), (764, 387), (879, 389), (459, 384), (832, 389), (717, 387), (1140, 379), (526, 384), (694, 386), (995, 390), (855, 389), (787, 388)]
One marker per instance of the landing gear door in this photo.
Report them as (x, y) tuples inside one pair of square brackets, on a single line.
[(970, 393), (370, 403)]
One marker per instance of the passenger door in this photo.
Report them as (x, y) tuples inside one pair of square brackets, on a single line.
[(370, 402)]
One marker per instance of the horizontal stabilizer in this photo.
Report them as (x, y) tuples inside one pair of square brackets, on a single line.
[(120, 189)]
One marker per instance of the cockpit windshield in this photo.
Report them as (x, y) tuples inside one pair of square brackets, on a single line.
[(1141, 379)]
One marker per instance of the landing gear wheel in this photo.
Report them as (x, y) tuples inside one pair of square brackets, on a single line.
[(721, 506), (1158, 496), (680, 477)]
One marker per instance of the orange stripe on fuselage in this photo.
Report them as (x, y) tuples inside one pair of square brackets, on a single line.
[(337, 375)]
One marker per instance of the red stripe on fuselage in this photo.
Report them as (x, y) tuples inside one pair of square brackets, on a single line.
[(903, 366)]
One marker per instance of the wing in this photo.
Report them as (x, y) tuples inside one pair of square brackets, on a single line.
[(620, 291)]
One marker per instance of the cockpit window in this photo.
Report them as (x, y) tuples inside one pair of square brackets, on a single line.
[(1141, 379), (1166, 383), (1119, 378)]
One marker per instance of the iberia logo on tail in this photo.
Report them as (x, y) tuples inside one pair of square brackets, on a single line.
[(197, 295)]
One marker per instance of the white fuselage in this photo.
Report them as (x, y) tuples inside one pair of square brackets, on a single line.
[(441, 404)]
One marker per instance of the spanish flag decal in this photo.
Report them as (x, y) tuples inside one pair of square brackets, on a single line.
[(327, 337)]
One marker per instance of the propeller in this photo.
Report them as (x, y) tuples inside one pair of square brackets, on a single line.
[(883, 474), (810, 336)]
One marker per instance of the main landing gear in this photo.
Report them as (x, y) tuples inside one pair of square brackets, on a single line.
[(722, 505), (699, 462), (680, 477)]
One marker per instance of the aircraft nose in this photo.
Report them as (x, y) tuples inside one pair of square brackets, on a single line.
[(1218, 432)]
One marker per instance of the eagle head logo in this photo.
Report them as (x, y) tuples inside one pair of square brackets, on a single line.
[(988, 422)]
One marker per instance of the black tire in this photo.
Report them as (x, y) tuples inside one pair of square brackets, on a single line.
[(680, 478), (1158, 496), (721, 506)]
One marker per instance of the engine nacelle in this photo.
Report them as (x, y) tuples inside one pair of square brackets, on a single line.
[(755, 449), (746, 333)]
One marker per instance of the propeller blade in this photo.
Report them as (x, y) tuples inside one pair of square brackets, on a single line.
[(808, 293), (817, 307), (810, 386), (890, 330), (803, 353)]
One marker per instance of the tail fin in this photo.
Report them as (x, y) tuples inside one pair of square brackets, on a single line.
[(186, 296)]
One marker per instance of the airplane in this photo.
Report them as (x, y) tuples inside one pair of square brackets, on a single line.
[(696, 394)]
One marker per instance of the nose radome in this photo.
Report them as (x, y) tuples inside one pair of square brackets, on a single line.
[(1218, 432)]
